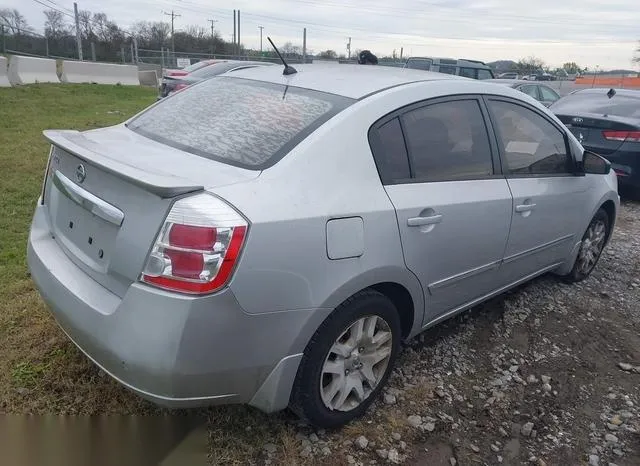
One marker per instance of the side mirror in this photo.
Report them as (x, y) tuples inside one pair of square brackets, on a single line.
[(594, 164)]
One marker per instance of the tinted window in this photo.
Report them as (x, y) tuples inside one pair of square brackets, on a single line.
[(447, 69), (448, 141), (468, 72), (548, 94), (484, 74), (241, 122), (529, 90), (390, 152), (530, 144)]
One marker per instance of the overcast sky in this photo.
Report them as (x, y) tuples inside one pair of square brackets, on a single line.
[(592, 33)]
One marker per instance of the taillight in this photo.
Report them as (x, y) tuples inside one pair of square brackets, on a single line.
[(622, 136), (198, 246)]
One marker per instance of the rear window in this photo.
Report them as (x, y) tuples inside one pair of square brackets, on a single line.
[(240, 122), (619, 105)]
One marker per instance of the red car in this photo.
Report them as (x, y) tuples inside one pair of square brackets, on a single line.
[(191, 68)]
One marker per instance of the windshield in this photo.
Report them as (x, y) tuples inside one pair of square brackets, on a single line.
[(241, 122)]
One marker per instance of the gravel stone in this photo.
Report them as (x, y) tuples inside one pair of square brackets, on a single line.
[(394, 456), (313, 438), (594, 460), (414, 421), (390, 399), (326, 451), (430, 426), (475, 448), (453, 461), (362, 442), (625, 366), (396, 436), (382, 454), (526, 429), (306, 452), (270, 448), (611, 438), (545, 379)]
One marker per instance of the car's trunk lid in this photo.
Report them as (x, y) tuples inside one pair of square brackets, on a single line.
[(107, 193), (589, 128)]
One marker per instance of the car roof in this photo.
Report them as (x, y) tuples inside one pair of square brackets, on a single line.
[(353, 81)]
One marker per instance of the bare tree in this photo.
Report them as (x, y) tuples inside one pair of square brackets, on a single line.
[(55, 26), (14, 20), (530, 65), (86, 28), (636, 59)]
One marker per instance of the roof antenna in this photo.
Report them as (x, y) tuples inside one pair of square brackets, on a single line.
[(611, 93), (287, 69)]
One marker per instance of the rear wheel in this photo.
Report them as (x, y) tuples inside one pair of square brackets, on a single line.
[(348, 361), (591, 247)]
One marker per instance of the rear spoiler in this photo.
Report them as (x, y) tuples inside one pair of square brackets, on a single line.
[(76, 143)]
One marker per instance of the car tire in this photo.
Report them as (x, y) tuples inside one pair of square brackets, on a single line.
[(335, 359), (591, 247)]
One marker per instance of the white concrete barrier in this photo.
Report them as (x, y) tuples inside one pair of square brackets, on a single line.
[(4, 77), (148, 78), (99, 73), (29, 70)]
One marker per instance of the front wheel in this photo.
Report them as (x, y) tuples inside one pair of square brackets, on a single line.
[(591, 247), (348, 361)]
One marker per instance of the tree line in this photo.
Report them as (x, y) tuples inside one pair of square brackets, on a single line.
[(110, 40)]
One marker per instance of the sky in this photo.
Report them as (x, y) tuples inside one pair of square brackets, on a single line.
[(593, 33)]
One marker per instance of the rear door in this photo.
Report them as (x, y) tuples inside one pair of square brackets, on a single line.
[(549, 200), (453, 207)]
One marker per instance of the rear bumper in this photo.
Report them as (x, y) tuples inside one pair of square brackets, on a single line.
[(175, 350)]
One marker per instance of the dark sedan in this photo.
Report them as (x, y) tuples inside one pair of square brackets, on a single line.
[(540, 92), (171, 84), (607, 121)]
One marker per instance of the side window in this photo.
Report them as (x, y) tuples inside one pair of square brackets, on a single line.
[(484, 74), (530, 143), (530, 90), (448, 141), (468, 72), (390, 152), (447, 69), (548, 95)]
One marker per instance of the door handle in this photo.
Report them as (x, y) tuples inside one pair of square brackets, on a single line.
[(525, 207), (421, 221)]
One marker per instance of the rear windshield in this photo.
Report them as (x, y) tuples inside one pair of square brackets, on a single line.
[(241, 122), (619, 105)]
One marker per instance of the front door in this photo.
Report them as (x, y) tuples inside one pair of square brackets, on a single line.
[(548, 198), (453, 211)]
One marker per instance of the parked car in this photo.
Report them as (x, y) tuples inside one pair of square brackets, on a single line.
[(607, 122), (467, 68), (271, 240), (191, 68), (545, 77), (540, 92), (509, 76), (171, 84)]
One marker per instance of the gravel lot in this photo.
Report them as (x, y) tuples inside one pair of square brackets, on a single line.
[(548, 374)]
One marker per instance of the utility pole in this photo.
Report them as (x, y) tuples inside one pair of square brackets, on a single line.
[(304, 45), (239, 48), (78, 39), (212, 35), (234, 33), (261, 28), (173, 45), (349, 49)]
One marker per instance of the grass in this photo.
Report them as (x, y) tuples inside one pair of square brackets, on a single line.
[(40, 371)]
